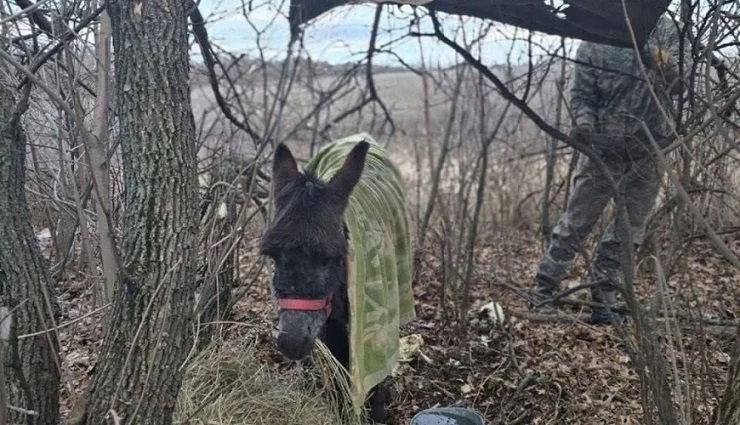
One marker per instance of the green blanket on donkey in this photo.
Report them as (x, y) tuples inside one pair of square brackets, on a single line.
[(379, 286)]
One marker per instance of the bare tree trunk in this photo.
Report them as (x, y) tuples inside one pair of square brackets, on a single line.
[(218, 246), (441, 160), (66, 225), (418, 159), (552, 144), (5, 323), (139, 372), (728, 411), (97, 154), (32, 366)]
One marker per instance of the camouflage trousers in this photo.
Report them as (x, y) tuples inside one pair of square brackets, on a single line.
[(639, 183)]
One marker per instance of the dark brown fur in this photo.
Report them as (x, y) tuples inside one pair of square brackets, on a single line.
[(307, 240)]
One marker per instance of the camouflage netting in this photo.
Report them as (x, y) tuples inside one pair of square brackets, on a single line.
[(600, 21)]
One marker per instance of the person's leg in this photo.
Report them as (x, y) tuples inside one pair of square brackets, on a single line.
[(587, 200), (639, 188)]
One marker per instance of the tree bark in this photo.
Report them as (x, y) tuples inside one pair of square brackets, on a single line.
[(219, 251), (728, 410), (97, 156), (31, 363), (139, 373)]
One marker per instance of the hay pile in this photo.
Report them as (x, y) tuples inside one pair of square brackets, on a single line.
[(230, 386)]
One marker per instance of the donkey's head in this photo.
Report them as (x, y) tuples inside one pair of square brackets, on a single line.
[(308, 244)]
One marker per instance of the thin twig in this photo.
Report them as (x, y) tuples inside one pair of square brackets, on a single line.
[(723, 249), (64, 38), (65, 324), (201, 36)]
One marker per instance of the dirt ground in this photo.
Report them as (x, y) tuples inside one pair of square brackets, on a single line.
[(518, 372)]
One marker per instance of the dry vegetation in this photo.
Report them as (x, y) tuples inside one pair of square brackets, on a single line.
[(231, 385)]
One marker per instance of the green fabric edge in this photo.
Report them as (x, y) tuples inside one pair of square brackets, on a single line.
[(380, 257)]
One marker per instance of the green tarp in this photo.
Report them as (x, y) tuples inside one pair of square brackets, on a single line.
[(379, 287)]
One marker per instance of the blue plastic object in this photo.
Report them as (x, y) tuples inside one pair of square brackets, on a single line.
[(447, 416)]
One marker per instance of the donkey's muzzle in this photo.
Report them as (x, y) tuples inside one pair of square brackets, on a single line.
[(294, 347), (298, 330)]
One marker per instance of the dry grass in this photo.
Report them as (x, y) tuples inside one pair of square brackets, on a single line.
[(231, 386)]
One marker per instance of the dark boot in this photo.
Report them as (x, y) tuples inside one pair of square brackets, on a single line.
[(541, 298), (604, 316), (605, 294)]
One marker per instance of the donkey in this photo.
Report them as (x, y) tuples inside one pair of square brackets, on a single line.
[(308, 243)]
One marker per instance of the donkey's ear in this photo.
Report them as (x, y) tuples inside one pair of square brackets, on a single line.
[(348, 176), (284, 167)]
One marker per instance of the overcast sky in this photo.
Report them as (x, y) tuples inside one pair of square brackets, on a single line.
[(342, 34)]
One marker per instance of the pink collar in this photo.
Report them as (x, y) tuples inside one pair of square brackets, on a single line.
[(298, 304)]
